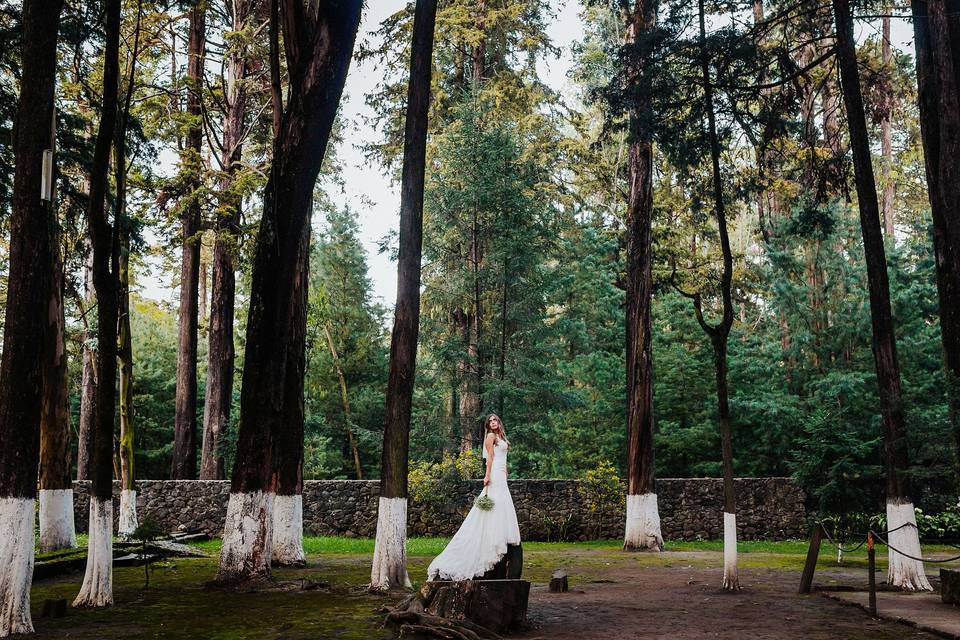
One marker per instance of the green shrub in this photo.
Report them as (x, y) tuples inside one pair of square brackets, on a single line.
[(433, 483), (602, 493)]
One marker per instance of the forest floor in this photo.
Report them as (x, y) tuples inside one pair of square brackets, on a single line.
[(614, 595)]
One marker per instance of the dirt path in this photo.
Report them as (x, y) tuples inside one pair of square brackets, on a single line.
[(683, 603)]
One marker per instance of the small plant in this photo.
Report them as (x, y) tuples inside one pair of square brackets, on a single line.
[(556, 529), (601, 491), (147, 532)]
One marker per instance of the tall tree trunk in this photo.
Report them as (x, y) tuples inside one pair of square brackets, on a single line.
[(29, 282), (88, 383), (57, 529), (220, 353), (719, 334), (479, 53), (319, 45), (288, 442), (468, 375), (467, 321), (97, 588), (127, 523), (345, 400), (903, 572), (504, 332), (389, 555), (937, 35), (642, 530), (184, 464), (886, 145)]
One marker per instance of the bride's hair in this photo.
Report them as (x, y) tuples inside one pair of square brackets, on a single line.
[(503, 430)]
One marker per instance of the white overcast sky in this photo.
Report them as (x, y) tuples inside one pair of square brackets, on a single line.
[(367, 188)]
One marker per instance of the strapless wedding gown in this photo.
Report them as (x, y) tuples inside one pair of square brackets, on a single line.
[(483, 537)]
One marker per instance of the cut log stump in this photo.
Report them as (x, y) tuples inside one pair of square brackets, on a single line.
[(470, 608), (559, 583), (950, 586)]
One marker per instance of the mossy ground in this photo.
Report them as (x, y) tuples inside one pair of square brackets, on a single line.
[(178, 604)]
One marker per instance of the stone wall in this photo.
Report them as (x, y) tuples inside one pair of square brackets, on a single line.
[(690, 508)]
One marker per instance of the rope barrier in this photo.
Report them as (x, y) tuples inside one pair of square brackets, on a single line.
[(880, 536), (907, 555)]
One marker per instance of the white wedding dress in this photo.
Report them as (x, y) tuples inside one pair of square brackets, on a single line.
[(484, 535)]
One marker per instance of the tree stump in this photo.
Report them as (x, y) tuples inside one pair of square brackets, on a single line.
[(950, 586), (510, 566), (471, 608), (558, 583)]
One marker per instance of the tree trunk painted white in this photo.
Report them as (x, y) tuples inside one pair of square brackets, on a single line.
[(57, 529), (904, 572), (16, 565), (97, 588), (288, 531), (128, 513), (247, 538), (390, 550), (731, 579), (642, 530)]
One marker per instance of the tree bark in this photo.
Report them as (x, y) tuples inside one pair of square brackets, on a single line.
[(88, 384), (389, 561), (468, 374), (184, 464), (25, 327), (56, 488), (937, 37), (884, 343), (903, 571), (643, 523), (128, 501), (479, 53), (54, 415), (288, 441), (886, 145), (319, 45), (220, 359), (345, 400), (719, 334), (97, 588)]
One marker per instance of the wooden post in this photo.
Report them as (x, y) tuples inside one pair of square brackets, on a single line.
[(872, 577), (813, 552)]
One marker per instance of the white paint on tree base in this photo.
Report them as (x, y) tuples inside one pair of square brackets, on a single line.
[(247, 537), (905, 573), (16, 565), (390, 550), (57, 529), (731, 579), (97, 588), (288, 531), (642, 530), (128, 513)]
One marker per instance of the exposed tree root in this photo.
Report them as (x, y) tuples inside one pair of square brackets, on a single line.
[(411, 624)]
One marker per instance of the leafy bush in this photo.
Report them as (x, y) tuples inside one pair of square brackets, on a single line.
[(601, 491), (433, 483)]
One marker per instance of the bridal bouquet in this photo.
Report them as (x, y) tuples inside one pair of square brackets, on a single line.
[(483, 502)]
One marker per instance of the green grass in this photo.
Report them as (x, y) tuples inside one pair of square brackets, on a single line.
[(433, 546)]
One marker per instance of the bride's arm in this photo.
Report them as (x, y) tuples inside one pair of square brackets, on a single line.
[(488, 446)]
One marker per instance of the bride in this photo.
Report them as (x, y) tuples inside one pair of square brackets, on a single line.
[(484, 537)]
